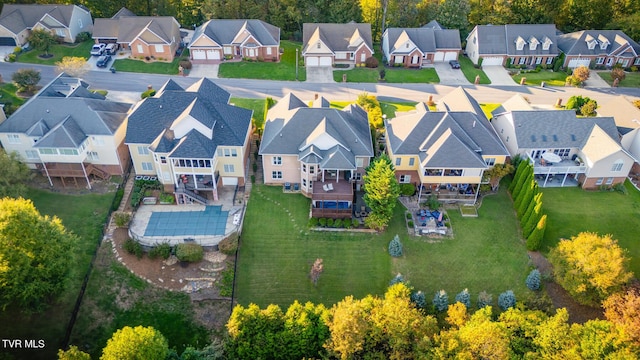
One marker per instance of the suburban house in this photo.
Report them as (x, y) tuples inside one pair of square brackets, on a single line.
[(418, 47), (627, 118), (191, 139), (328, 44), (524, 44), (318, 151), (599, 48), (155, 37), (63, 21), (68, 132), (443, 153), (228, 39), (565, 150)]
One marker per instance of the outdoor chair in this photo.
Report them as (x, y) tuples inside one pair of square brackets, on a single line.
[(287, 186), (330, 186), (325, 187)]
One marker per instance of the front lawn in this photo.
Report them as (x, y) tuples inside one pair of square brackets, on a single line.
[(277, 252), (283, 70), (470, 72), (392, 75), (9, 98), (548, 76), (58, 51), (84, 215), (389, 108), (632, 79), (573, 210), (154, 67)]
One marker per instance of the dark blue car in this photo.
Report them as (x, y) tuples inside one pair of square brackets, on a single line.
[(103, 61)]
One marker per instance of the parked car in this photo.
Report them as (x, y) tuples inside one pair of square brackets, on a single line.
[(454, 64), (98, 49), (111, 49), (103, 61)]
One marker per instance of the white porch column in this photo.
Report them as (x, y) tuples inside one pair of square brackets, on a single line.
[(84, 171), (420, 192), (44, 165), (173, 172)]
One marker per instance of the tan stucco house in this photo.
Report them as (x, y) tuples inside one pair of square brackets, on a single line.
[(328, 44), (419, 47)]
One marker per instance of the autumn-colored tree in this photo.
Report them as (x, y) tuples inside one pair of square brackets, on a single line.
[(534, 241), (485, 339), (552, 335), (457, 314), (73, 354), (349, 326), (35, 254), (497, 172), (623, 309), (14, 174), (26, 79), (590, 267), (136, 343), (521, 329), (73, 66), (618, 73), (381, 191), (581, 73), (374, 111), (598, 339)]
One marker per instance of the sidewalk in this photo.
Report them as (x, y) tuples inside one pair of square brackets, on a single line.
[(595, 81)]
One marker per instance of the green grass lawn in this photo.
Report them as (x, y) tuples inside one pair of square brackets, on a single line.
[(548, 76), (156, 67), (58, 51), (85, 216), (276, 255), (283, 70), (392, 75), (470, 72), (389, 108), (9, 98), (257, 105), (632, 79), (573, 210)]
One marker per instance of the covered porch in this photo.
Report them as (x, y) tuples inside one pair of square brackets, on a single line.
[(557, 174), (332, 199), (71, 172), (449, 192)]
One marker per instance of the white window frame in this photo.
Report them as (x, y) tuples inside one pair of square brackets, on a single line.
[(599, 181), (93, 155), (522, 60), (490, 161), (276, 160), (538, 60), (600, 60), (143, 150), (359, 162), (269, 51), (32, 154), (591, 44), (159, 48), (14, 139), (405, 179), (234, 153), (617, 166), (146, 166), (48, 151), (636, 61), (609, 181), (549, 60), (276, 175), (229, 168), (412, 161), (398, 161), (61, 32)]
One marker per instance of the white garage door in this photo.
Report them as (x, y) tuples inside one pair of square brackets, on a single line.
[(574, 63), (226, 180), (439, 56), (325, 61), (450, 56), (492, 61), (312, 61), (199, 54), (213, 55)]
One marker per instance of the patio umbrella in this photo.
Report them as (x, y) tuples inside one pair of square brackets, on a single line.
[(551, 157)]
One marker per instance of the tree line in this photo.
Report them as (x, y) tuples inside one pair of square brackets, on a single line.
[(289, 15)]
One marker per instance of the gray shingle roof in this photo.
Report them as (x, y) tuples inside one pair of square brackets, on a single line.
[(127, 28), (426, 39), (575, 43), (17, 17), (67, 134), (433, 24), (305, 131), (336, 36), (223, 31), (123, 12), (49, 110), (338, 158), (501, 39), (206, 103), (557, 128)]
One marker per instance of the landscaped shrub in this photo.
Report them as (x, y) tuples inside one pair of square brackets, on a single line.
[(330, 222), (419, 299), (355, 223), (337, 223), (382, 74), (167, 198), (507, 300), (464, 297), (122, 219), (395, 247), (12, 57), (407, 189), (409, 216), (117, 199), (533, 280), (433, 203), (147, 94), (371, 62), (313, 222), (397, 279), (229, 245), (133, 247), (163, 250), (484, 299), (619, 187), (410, 223), (189, 252), (186, 64), (253, 179), (322, 222), (83, 36), (618, 73), (441, 301), (534, 241)]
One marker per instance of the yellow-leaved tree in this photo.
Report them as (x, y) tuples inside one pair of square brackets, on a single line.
[(136, 343)]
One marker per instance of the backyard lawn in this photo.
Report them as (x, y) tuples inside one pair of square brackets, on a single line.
[(85, 216), (283, 70), (257, 105), (573, 210), (548, 76), (9, 98), (470, 72), (389, 108), (632, 79), (392, 75), (276, 255), (58, 51)]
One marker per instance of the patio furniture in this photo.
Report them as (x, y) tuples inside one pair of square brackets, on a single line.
[(330, 186), (325, 187), (551, 157), (287, 186), (296, 186)]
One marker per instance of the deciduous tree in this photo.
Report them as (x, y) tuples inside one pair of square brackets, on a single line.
[(381, 192), (136, 343), (590, 267), (73, 66), (497, 172), (26, 79), (41, 40), (623, 309), (13, 175), (73, 354), (453, 14)]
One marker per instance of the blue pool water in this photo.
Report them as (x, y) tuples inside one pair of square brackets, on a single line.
[(211, 221)]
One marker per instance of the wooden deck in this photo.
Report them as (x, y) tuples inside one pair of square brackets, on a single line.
[(342, 192)]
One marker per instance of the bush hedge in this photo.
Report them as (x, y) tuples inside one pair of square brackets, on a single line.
[(189, 252), (229, 245), (133, 247), (163, 250)]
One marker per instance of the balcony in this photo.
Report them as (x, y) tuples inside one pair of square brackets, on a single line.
[(562, 167), (332, 199)]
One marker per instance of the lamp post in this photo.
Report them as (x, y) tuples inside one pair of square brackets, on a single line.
[(296, 64)]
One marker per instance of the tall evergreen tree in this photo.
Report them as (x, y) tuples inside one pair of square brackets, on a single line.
[(533, 220), (527, 198), (534, 241), (517, 175), (381, 191)]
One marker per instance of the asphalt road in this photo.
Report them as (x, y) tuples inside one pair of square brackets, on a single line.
[(246, 88)]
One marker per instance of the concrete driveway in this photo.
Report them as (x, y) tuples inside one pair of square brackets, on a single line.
[(449, 76), (319, 74), (595, 81), (204, 70), (498, 75)]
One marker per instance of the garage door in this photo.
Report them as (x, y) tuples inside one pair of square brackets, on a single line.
[(325, 61), (7, 41), (439, 56), (229, 181), (450, 56), (213, 55), (574, 63), (312, 61), (492, 61), (198, 54)]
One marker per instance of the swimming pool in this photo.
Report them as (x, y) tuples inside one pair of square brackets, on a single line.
[(210, 221)]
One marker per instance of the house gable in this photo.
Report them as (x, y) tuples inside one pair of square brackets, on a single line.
[(202, 41)]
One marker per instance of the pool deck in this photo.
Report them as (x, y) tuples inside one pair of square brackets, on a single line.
[(140, 220)]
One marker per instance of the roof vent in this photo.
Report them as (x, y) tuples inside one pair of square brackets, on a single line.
[(47, 111), (160, 106), (544, 137), (573, 137), (533, 138), (474, 123), (555, 137), (280, 134), (356, 139)]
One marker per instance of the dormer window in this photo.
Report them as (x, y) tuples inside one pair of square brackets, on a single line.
[(603, 45), (546, 44), (520, 43), (591, 44), (604, 42), (533, 43)]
